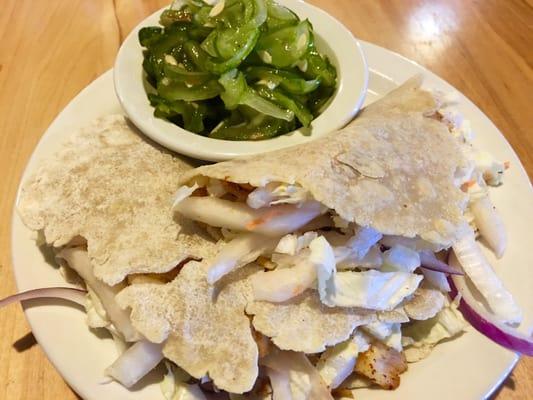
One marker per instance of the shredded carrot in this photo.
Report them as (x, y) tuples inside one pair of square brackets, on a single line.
[(297, 290), (254, 223), (260, 221), (467, 185)]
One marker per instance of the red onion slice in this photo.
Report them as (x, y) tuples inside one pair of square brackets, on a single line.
[(487, 324), (65, 293), (429, 261), (469, 256)]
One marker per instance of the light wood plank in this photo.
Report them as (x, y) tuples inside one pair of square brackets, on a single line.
[(52, 49)]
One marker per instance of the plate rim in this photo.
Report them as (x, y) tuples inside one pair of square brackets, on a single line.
[(367, 46)]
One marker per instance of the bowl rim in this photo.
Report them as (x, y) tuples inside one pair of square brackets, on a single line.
[(343, 49)]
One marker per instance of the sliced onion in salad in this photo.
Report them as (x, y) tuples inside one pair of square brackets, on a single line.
[(136, 362), (65, 293), (429, 261), (486, 323)]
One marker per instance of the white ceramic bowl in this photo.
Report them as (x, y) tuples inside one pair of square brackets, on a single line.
[(332, 39)]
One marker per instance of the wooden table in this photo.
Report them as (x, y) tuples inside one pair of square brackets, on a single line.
[(51, 49)]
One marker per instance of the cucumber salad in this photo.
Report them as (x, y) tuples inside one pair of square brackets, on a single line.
[(235, 69)]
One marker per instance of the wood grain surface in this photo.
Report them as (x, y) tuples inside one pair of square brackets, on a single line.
[(51, 49)]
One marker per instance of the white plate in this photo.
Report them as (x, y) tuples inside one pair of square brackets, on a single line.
[(467, 368), (341, 48)]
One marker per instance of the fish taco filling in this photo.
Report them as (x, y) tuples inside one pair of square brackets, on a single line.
[(306, 273), (401, 286)]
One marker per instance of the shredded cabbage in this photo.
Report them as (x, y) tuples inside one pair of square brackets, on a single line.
[(135, 363), (78, 259), (243, 249), (400, 258), (372, 259), (96, 314), (291, 194), (338, 362), (292, 244), (215, 188), (380, 330), (451, 116), (287, 260), (490, 224), (260, 197), (446, 324), (480, 272), (97, 318), (371, 289), (283, 284), (277, 193), (323, 258), (436, 279), (182, 193), (388, 333), (491, 169), (174, 385), (292, 374), (395, 338), (359, 250), (363, 240)]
